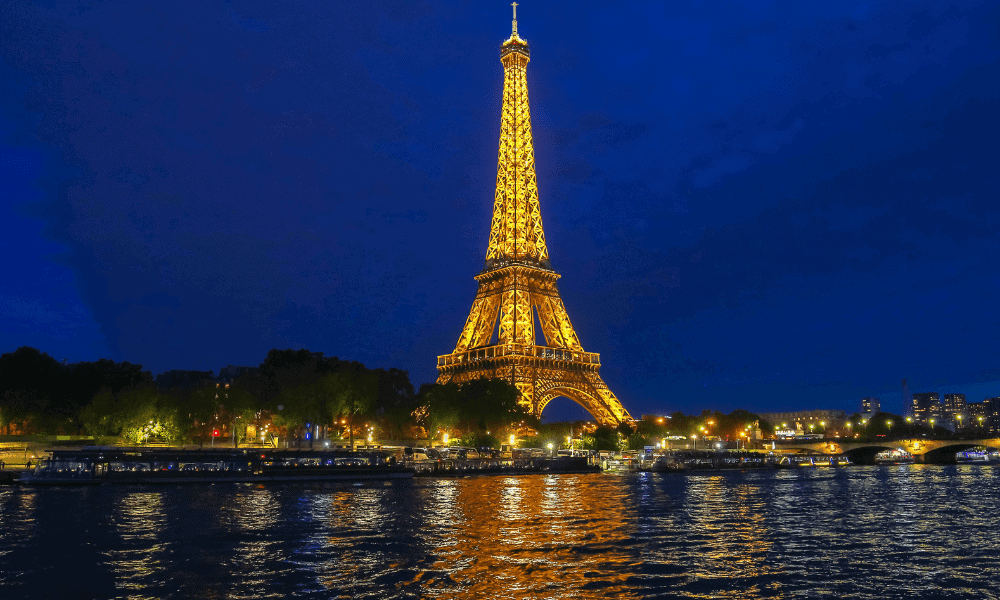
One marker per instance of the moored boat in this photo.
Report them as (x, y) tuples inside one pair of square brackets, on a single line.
[(896, 456), (62, 472), (841, 460), (797, 462), (978, 456), (92, 466)]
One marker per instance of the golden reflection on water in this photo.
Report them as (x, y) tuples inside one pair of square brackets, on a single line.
[(139, 520), (254, 512), (254, 509), (555, 536), (728, 519)]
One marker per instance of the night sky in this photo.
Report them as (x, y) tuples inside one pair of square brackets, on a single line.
[(767, 205)]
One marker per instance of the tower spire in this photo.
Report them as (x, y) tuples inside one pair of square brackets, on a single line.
[(516, 231), (513, 24)]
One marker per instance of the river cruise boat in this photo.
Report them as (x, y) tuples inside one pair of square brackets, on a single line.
[(796, 462), (978, 456), (894, 457), (96, 465), (831, 460)]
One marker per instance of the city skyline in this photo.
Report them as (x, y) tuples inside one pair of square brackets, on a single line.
[(766, 206)]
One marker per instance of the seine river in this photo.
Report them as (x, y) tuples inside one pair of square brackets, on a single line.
[(862, 532)]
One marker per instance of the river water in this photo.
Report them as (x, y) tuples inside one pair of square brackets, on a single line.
[(915, 531)]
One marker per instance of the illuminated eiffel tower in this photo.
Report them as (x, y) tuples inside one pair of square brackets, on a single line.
[(518, 283)]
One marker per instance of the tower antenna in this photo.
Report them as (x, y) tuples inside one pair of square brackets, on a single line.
[(513, 24)]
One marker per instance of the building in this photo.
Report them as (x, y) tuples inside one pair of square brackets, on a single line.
[(871, 405), (927, 406), (978, 413), (954, 411), (807, 421), (992, 420)]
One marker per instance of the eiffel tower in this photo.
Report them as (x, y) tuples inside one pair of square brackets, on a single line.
[(518, 282)]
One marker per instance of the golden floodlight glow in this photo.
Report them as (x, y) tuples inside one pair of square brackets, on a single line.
[(517, 283)]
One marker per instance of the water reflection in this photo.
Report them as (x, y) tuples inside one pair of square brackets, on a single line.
[(559, 536), (254, 512), (707, 532), (139, 562), (867, 532)]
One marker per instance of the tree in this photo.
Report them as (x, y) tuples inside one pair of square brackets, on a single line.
[(85, 380), (30, 381), (440, 406), (139, 415), (638, 441), (354, 395), (300, 407), (98, 416), (479, 439), (625, 429), (478, 405), (395, 402), (144, 414), (20, 406), (603, 438)]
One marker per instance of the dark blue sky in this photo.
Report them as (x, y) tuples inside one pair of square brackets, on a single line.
[(769, 205)]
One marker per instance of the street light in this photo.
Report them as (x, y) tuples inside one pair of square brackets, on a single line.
[(695, 438), (513, 440)]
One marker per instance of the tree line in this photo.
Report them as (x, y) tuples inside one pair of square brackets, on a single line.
[(298, 394)]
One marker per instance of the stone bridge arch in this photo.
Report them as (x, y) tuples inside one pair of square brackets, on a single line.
[(865, 454), (946, 454)]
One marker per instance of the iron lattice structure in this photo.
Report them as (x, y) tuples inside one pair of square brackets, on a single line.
[(518, 283)]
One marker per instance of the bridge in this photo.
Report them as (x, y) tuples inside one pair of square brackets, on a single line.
[(922, 449)]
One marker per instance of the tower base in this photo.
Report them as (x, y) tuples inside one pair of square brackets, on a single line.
[(541, 374)]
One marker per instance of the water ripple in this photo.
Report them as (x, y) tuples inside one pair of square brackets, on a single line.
[(866, 533)]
